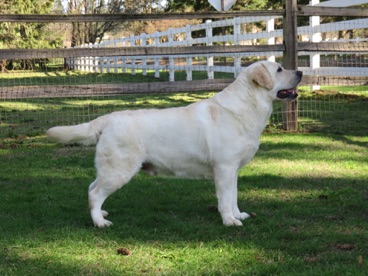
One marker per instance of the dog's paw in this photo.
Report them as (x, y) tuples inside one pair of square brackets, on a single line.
[(102, 223), (104, 213), (232, 222), (243, 216)]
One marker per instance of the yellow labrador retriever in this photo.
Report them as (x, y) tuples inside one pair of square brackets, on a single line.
[(212, 138)]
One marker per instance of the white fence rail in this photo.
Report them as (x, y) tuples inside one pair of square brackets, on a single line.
[(244, 33)]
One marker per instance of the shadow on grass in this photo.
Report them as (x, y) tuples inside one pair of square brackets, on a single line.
[(327, 113), (44, 209), (314, 148), (46, 225), (159, 218)]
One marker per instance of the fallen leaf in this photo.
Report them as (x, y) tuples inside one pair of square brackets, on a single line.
[(360, 260), (123, 251), (345, 246), (311, 259)]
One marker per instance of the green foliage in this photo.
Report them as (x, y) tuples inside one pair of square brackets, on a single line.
[(25, 35), (92, 32), (199, 5), (15, 35)]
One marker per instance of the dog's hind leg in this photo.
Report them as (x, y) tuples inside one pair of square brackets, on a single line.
[(112, 174), (103, 189), (91, 187), (97, 197)]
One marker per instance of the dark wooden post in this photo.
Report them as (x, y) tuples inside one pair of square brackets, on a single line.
[(290, 116)]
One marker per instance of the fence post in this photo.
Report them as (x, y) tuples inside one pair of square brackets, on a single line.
[(95, 59), (124, 59), (188, 60), (91, 60), (83, 60), (270, 27), (132, 44), (144, 58), (290, 114), (237, 33), (171, 59), (157, 60), (88, 59), (210, 72), (115, 59), (101, 61), (315, 59)]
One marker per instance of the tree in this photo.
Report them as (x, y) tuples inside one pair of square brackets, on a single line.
[(137, 7), (25, 35), (204, 5), (92, 32)]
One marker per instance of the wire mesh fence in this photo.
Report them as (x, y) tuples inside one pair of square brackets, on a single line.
[(42, 88)]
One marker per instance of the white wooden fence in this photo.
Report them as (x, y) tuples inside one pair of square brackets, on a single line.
[(183, 37)]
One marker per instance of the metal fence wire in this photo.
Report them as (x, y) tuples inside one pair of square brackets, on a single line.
[(40, 88)]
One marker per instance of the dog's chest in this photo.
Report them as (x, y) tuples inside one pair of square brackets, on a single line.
[(247, 154)]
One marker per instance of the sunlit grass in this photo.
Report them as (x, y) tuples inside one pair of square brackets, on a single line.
[(361, 90), (309, 193), (325, 159), (20, 106), (308, 190)]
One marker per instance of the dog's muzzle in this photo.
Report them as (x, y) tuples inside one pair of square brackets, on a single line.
[(291, 94)]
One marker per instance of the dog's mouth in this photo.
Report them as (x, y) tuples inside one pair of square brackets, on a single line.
[(287, 94)]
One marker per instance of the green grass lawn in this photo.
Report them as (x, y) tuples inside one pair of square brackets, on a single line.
[(330, 110), (58, 77), (309, 192)]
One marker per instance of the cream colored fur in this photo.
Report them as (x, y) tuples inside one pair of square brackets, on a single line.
[(212, 138)]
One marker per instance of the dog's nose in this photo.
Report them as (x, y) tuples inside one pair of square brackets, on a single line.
[(299, 73)]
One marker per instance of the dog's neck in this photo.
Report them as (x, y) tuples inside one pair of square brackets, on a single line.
[(241, 93), (239, 99)]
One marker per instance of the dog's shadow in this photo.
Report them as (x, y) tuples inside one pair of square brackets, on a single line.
[(176, 210)]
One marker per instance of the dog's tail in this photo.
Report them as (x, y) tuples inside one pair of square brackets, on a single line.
[(86, 133)]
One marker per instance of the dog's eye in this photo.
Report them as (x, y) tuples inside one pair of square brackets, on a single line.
[(279, 69)]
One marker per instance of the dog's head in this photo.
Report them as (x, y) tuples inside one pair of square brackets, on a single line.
[(280, 83)]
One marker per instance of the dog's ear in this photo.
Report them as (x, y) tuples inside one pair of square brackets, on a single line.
[(262, 77)]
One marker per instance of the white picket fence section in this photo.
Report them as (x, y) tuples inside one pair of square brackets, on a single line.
[(183, 37)]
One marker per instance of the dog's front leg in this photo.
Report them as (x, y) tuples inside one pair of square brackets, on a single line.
[(237, 214), (226, 184)]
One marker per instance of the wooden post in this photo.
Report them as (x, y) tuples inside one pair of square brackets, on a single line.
[(210, 72), (290, 116)]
